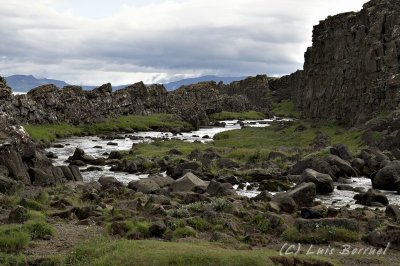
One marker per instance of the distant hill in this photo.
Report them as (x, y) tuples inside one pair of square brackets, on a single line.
[(24, 83), (176, 84)]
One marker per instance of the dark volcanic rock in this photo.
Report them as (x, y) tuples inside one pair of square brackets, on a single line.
[(372, 197), (387, 177), (352, 68), (323, 182)]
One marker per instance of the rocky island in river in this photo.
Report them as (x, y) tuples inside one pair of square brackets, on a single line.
[(298, 170)]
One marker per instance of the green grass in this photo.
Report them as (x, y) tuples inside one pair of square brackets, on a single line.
[(250, 115), (124, 252), (102, 251), (12, 260), (182, 232), (262, 224), (259, 142), (254, 144), (14, 237), (130, 229), (161, 148), (50, 132), (285, 109), (320, 235)]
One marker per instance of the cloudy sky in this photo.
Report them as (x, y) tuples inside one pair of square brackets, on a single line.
[(123, 41)]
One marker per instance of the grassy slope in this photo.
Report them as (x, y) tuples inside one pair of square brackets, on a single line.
[(285, 109), (49, 133)]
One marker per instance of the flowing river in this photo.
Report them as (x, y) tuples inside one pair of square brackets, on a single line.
[(99, 148)]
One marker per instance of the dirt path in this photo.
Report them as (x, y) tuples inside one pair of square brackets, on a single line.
[(66, 236)]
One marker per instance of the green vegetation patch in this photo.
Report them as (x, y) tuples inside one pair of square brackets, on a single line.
[(160, 148), (50, 132), (250, 115), (321, 235), (14, 237), (259, 142), (125, 252), (255, 144), (12, 260), (285, 109)]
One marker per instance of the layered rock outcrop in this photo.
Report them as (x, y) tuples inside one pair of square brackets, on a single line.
[(71, 104), (352, 69)]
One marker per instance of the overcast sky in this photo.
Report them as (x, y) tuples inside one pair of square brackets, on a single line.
[(123, 41)]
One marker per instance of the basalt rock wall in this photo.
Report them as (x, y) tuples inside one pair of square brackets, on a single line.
[(352, 70), (71, 104)]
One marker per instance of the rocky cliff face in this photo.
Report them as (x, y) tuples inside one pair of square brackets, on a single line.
[(353, 67), (71, 104)]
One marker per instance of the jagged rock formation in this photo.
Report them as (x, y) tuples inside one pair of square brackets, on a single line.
[(71, 104), (353, 67)]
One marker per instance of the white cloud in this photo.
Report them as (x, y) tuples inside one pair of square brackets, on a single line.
[(158, 40)]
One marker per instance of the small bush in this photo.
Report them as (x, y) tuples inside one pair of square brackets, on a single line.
[(13, 238), (199, 223), (195, 207), (320, 235), (36, 215), (182, 232), (220, 204), (31, 204), (139, 230), (38, 229), (43, 198), (262, 223), (181, 212)]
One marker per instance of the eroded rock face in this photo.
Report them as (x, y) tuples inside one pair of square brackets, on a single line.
[(352, 68)]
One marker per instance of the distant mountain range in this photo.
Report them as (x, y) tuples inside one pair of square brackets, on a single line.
[(24, 83)]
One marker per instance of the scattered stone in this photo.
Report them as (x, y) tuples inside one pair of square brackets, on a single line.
[(187, 183), (387, 177), (157, 229), (145, 186), (371, 198), (307, 213), (110, 181), (217, 189), (18, 215), (323, 182)]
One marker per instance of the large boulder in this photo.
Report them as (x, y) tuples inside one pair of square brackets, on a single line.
[(344, 167), (387, 177), (8, 185), (144, 185), (342, 151), (285, 202), (372, 197), (217, 189), (303, 194), (161, 180), (179, 170), (381, 237), (323, 182), (109, 182), (18, 215), (12, 160), (187, 183)]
